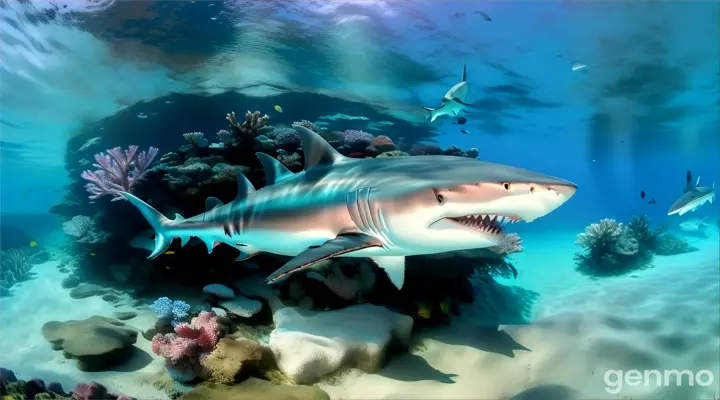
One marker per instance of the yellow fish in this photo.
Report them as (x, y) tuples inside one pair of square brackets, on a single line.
[(169, 252), (33, 243), (424, 311), (278, 109), (92, 254), (445, 307)]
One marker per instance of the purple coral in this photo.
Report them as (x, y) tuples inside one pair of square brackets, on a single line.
[(357, 140), (118, 171), (287, 138)]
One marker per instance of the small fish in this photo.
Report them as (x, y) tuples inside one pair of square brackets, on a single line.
[(461, 121), (142, 115), (278, 108), (33, 243), (578, 66), (169, 252), (653, 202), (92, 254), (642, 194), (445, 307), (485, 16), (464, 131), (424, 311)]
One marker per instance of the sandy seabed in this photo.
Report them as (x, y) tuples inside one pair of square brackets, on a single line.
[(663, 318)]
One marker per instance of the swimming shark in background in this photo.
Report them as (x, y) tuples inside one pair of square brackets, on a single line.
[(454, 100), (693, 225), (380, 208), (693, 197)]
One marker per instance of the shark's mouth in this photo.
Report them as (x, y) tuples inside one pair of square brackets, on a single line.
[(486, 223)]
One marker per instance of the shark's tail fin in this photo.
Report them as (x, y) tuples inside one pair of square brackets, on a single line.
[(464, 73), (160, 223)]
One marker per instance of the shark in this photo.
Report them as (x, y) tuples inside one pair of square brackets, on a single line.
[(384, 209), (693, 225), (693, 197), (454, 100)]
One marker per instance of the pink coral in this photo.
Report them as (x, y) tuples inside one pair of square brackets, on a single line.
[(88, 391), (117, 171), (183, 348), (383, 143)]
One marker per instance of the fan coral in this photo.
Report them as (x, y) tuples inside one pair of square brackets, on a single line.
[(509, 243), (251, 126), (242, 306), (77, 226), (15, 265), (610, 249), (117, 171), (182, 349), (640, 229)]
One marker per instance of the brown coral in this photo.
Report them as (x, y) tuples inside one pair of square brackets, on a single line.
[(231, 359), (251, 126)]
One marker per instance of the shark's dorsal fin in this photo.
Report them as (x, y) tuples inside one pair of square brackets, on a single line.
[(178, 217), (244, 187), (275, 171), (464, 74), (212, 202), (317, 150), (688, 181)]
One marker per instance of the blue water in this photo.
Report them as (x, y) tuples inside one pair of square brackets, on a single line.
[(644, 110)]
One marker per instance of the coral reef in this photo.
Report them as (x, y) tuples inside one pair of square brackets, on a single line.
[(16, 265), (117, 171), (13, 389), (173, 312)]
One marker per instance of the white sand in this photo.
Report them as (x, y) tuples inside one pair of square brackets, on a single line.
[(24, 350), (665, 318)]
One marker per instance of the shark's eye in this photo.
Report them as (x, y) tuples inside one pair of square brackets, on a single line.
[(506, 185), (440, 199)]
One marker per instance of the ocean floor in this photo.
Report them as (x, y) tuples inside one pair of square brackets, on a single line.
[(662, 318)]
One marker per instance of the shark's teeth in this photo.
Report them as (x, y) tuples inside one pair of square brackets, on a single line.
[(488, 223)]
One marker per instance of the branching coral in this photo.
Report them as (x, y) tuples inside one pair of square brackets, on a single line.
[(117, 171), (610, 249), (182, 349), (252, 125), (15, 266), (196, 139), (509, 243), (640, 229)]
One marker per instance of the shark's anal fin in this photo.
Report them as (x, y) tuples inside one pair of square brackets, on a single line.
[(394, 267), (317, 151), (333, 247), (275, 171)]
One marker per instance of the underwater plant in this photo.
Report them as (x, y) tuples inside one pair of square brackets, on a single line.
[(117, 171), (171, 311), (610, 249)]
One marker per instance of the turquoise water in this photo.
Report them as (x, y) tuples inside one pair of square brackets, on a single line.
[(618, 99)]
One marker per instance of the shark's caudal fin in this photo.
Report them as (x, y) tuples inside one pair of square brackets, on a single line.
[(317, 151), (464, 74), (159, 222), (432, 113)]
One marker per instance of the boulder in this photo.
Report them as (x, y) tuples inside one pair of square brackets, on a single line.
[(97, 343), (255, 389), (231, 359), (311, 345)]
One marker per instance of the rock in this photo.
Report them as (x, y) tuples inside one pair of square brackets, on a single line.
[(98, 343), (124, 315), (219, 312), (242, 306), (233, 358), (7, 376), (87, 290), (219, 290), (311, 345), (255, 389), (121, 272), (110, 298), (70, 282), (137, 303)]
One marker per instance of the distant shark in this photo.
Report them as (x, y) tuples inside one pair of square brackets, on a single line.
[(381, 208), (693, 225), (693, 197), (454, 100)]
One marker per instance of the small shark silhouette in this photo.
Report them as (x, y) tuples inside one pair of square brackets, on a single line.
[(693, 225), (693, 197), (454, 100)]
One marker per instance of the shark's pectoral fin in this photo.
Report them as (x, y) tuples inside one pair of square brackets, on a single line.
[(394, 267), (333, 247)]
